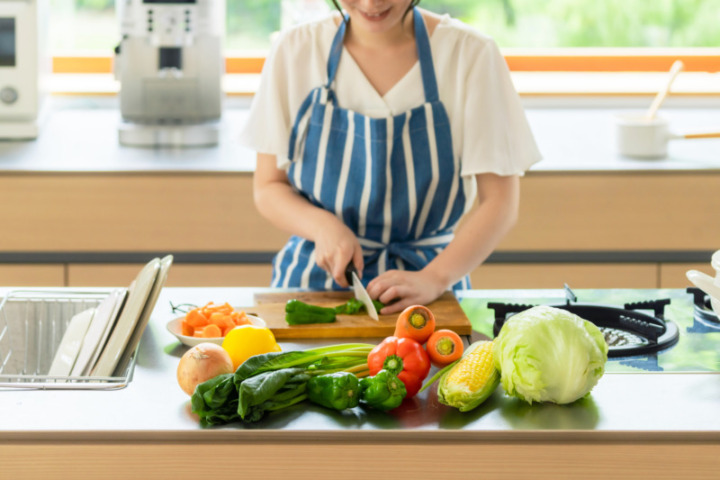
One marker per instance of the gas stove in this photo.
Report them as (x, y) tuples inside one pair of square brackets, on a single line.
[(664, 330)]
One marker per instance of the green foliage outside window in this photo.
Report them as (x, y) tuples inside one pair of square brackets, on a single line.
[(91, 25)]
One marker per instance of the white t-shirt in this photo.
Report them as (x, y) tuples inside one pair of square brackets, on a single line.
[(490, 132)]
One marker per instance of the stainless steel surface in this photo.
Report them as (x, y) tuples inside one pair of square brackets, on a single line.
[(571, 140), (32, 324), (152, 406)]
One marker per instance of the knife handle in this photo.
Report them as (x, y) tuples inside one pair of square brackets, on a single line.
[(349, 270)]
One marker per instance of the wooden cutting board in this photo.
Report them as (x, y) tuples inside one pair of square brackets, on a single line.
[(271, 308)]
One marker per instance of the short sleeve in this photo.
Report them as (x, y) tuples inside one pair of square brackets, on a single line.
[(496, 136), (267, 129)]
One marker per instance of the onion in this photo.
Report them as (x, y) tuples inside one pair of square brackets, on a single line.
[(201, 363)]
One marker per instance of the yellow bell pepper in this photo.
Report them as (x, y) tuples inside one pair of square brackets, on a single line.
[(245, 341)]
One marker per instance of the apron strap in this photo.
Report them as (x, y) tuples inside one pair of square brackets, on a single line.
[(425, 58), (423, 49), (336, 51)]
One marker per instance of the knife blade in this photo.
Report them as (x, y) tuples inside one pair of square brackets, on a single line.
[(360, 292)]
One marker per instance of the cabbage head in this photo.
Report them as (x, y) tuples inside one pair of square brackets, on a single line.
[(547, 354)]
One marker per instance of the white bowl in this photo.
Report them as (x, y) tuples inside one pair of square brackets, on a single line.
[(175, 327)]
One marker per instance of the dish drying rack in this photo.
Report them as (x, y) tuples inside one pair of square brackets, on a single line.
[(32, 324)]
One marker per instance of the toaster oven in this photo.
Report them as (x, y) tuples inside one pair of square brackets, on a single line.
[(24, 67)]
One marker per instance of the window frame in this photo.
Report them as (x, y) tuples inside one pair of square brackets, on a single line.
[(519, 60)]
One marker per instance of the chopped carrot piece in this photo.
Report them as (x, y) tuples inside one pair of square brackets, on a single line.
[(209, 331), (226, 330), (221, 320), (195, 318), (186, 329), (240, 318)]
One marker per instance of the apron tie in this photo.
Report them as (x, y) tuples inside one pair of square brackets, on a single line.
[(406, 251)]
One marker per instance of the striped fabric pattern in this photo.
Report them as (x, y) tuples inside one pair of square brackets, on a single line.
[(394, 181)]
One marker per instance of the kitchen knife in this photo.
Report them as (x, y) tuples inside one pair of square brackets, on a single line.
[(360, 292)]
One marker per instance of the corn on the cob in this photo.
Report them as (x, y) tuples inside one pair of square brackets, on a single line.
[(472, 380)]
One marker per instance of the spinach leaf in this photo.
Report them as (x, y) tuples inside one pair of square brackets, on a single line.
[(269, 361), (255, 390), (215, 401)]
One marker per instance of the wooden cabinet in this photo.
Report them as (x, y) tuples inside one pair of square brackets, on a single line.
[(32, 275), (641, 223), (180, 275)]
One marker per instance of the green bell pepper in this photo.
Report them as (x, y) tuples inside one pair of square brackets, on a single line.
[(384, 391), (338, 391), (300, 313), (354, 306)]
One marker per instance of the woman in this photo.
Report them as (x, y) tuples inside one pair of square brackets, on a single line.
[(375, 131)]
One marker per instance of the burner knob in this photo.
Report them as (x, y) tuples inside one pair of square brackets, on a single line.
[(8, 95)]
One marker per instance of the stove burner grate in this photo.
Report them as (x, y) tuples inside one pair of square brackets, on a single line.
[(702, 310), (627, 330)]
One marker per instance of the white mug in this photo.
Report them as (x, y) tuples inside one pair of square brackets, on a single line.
[(641, 137)]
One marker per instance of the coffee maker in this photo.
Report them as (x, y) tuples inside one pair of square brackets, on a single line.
[(170, 64), (24, 68)]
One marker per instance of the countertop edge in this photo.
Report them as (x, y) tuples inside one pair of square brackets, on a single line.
[(373, 437)]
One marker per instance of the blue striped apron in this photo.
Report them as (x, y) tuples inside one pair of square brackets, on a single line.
[(394, 181)]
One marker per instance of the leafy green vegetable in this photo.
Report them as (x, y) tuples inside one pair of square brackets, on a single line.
[(273, 381), (547, 354), (215, 401)]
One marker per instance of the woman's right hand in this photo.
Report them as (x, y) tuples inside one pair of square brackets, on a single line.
[(335, 247), (335, 244)]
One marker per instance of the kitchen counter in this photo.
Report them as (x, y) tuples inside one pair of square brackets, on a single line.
[(639, 424), (81, 137)]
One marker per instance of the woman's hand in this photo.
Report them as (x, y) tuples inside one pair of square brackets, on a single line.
[(399, 289), (335, 244), (335, 247)]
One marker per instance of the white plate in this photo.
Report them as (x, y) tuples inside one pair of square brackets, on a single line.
[(145, 315), (122, 296), (70, 344), (138, 294), (92, 342), (175, 327)]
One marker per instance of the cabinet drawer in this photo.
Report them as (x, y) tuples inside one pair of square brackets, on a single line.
[(554, 275), (672, 275), (20, 275), (181, 275)]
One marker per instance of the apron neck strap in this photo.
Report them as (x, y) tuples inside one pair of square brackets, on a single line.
[(425, 58), (423, 49), (336, 50)]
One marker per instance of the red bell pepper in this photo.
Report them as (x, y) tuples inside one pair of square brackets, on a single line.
[(405, 357)]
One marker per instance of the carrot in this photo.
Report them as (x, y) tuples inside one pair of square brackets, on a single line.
[(209, 331), (239, 318), (221, 320), (416, 322), (444, 347), (186, 328), (195, 318)]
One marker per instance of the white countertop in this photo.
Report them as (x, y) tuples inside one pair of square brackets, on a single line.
[(81, 136)]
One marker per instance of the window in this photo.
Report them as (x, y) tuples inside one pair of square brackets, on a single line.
[(90, 27)]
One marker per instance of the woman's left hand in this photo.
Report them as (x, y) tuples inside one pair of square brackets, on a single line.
[(399, 289)]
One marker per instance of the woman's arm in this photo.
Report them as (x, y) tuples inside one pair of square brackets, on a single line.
[(275, 199), (481, 231)]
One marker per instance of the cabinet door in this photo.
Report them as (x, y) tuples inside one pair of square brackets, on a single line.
[(180, 275), (20, 275), (548, 275), (672, 275)]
